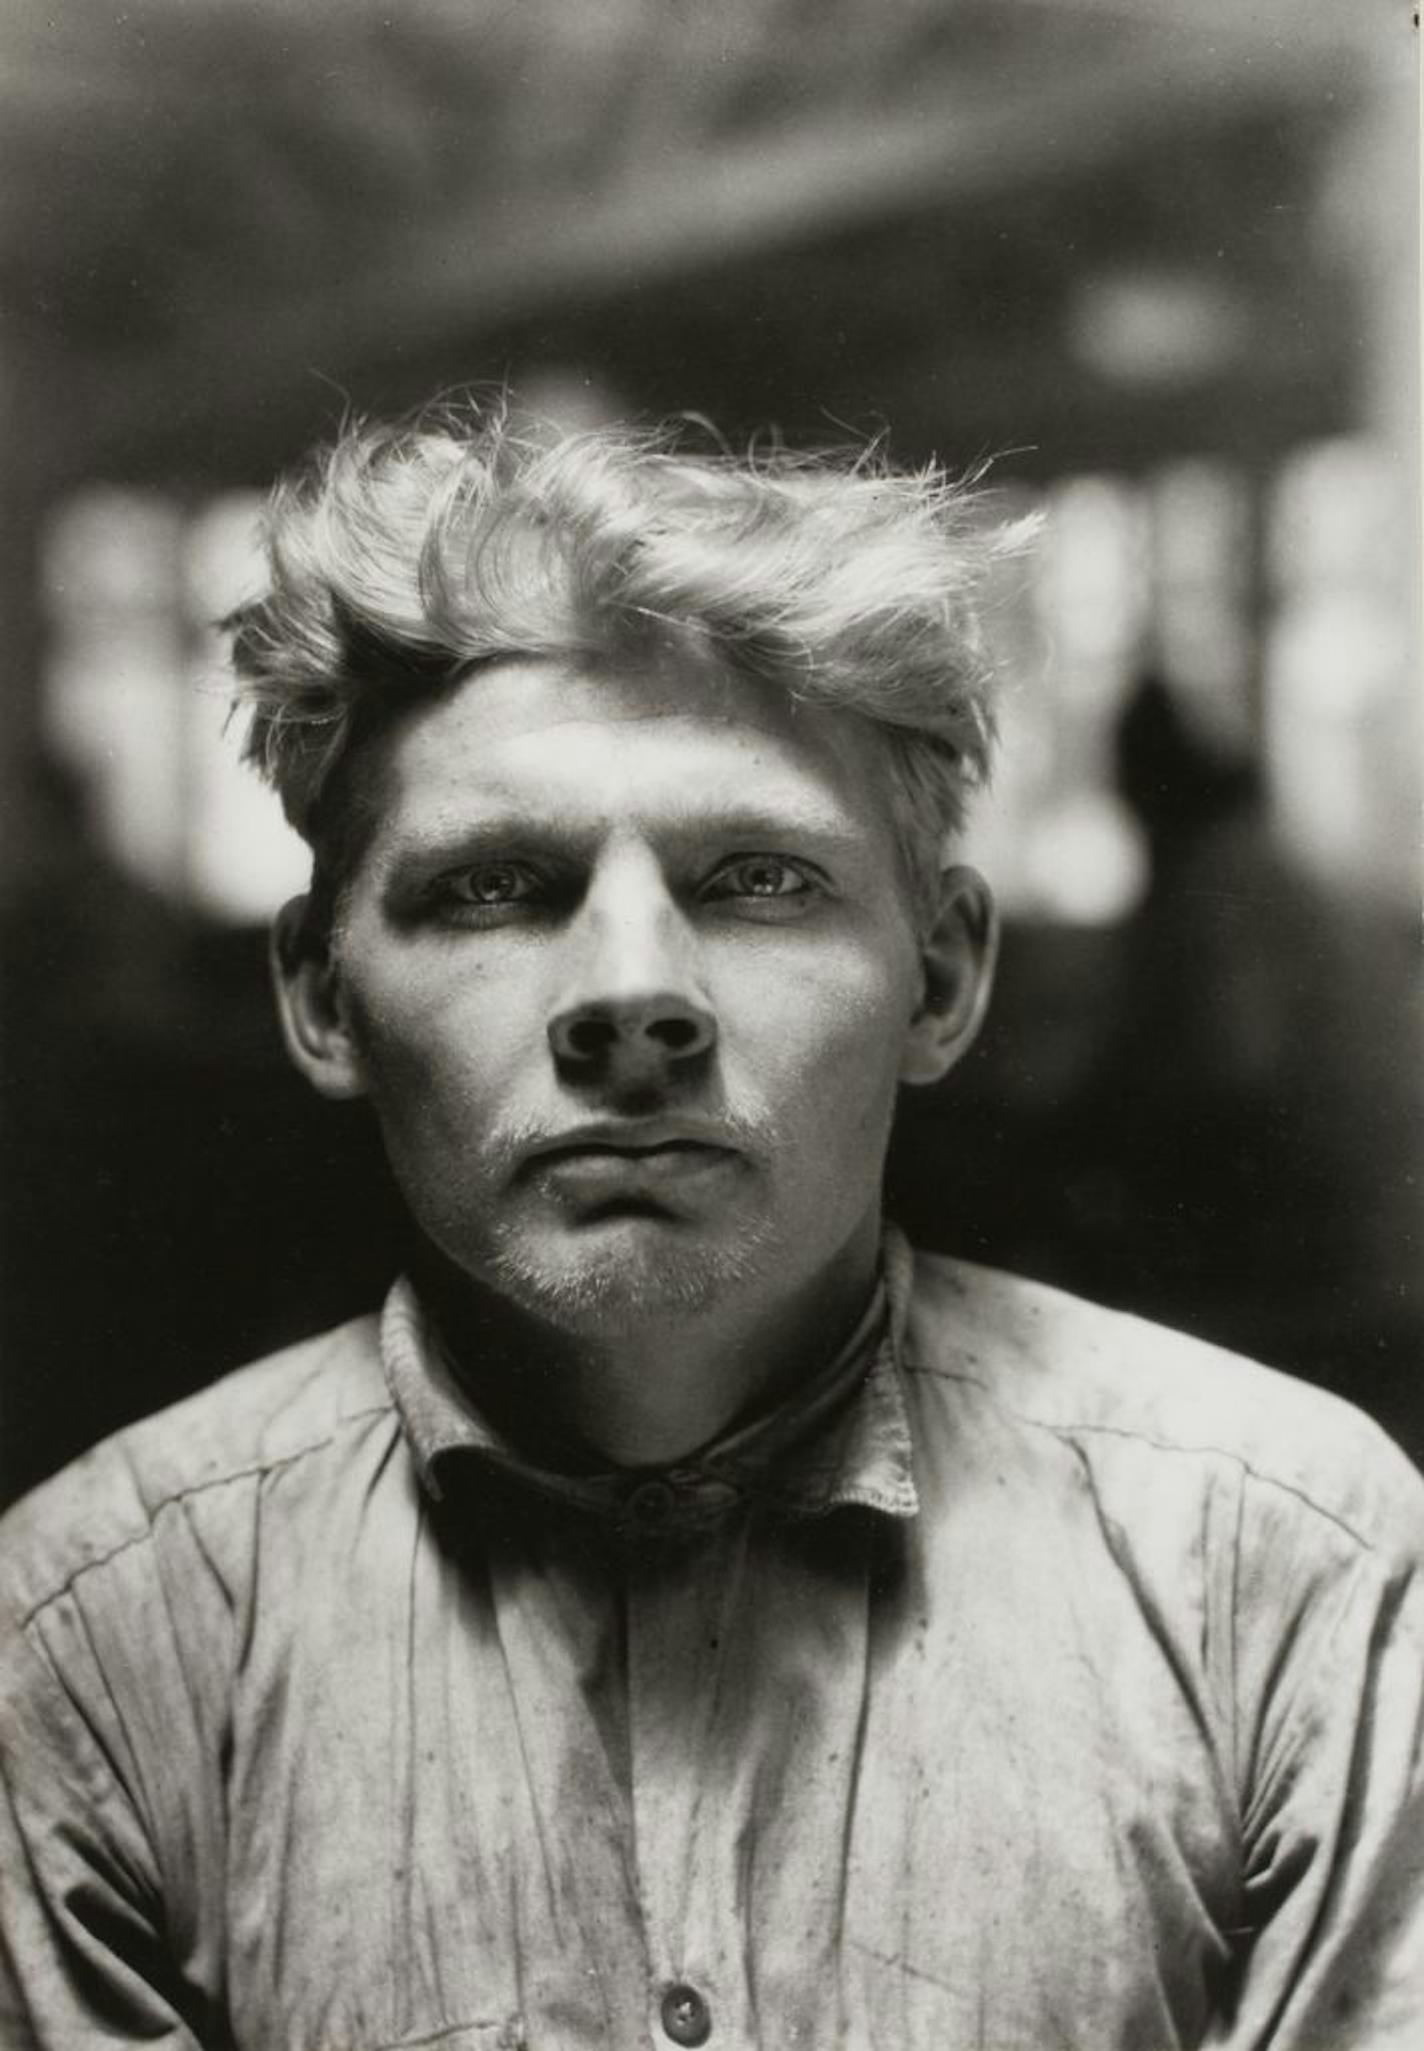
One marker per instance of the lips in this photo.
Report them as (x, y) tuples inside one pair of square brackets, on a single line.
[(594, 1150), (640, 1141), (605, 1156)]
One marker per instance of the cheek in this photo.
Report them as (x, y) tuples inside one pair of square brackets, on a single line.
[(824, 1037), (438, 1085), (437, 1049)]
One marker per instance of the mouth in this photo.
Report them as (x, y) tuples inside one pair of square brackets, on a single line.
[(602, 1158)]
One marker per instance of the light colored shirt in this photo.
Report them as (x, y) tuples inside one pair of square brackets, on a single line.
[(1040, 1678)]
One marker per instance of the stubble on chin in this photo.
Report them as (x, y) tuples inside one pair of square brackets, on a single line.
[(596, 1280)]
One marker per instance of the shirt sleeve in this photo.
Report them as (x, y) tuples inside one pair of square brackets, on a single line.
[(1332, 1649), (83, 1961)]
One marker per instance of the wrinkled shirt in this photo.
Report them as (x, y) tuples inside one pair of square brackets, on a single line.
[(1037, 1678)]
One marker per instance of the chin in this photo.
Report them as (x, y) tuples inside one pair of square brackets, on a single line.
[(601, 1276)]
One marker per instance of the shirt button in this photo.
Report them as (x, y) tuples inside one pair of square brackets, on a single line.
[(650, 1504), (686, 2016)]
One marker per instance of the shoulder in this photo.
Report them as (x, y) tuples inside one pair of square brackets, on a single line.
[(289, 1410), (1118, 1387)]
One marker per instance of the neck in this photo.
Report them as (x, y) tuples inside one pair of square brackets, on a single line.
[(660, 1388)]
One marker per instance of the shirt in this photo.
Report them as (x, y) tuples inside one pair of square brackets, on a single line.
[(1043, 1678)]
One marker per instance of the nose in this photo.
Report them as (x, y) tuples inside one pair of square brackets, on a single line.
[(633, 1009), (643, 1032)]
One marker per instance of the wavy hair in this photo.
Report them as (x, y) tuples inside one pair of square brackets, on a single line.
[(402, 556)]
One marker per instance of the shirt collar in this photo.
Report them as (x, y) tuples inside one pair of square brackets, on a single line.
[(841, 1439)]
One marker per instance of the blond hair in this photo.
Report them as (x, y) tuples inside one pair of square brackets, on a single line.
[(404, 555)]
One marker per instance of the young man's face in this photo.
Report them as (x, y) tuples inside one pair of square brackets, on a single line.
[(628, 972)]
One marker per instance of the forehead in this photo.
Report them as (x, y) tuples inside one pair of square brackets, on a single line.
[(603, 747)]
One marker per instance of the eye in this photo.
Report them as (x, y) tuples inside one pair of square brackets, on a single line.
[(489, 884), (762, 878)]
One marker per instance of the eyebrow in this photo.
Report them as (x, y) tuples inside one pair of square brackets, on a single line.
[(414, 859)]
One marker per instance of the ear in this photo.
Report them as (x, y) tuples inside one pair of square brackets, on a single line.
[(957, 958), (311, 1004)]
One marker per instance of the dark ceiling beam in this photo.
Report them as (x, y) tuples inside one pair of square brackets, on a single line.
[(949, 142)]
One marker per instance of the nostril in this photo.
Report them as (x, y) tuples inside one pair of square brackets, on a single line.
[(588, 1038), (676, 1034), (658, 1030)]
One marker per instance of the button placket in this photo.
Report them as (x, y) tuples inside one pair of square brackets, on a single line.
[(695, 1940)]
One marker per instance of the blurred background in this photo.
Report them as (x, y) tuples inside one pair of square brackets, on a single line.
[(1158, 262)]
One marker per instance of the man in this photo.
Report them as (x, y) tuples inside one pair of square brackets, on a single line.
[(687, 1616)]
